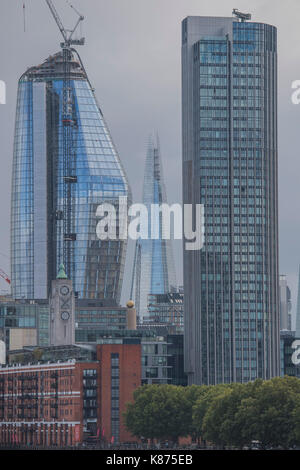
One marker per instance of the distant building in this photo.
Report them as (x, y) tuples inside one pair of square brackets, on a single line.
[(26, 323), (90, 315), (298, 308), (166, 310), (65, 401), (285, 304), (162, 359), (161, 356), (287, 367), (155, 367), (153, 270), (176, 373)]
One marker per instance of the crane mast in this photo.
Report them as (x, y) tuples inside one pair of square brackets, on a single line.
[(65, 213)]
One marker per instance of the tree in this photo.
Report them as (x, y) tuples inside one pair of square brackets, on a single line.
[(200, 408), (227, 414), (158, 412), (295, 434), (219, 422), (264, 411), (193, 394), (270, 414)]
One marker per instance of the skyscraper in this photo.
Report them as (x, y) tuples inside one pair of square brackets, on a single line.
[(153, 270), (285, 304), (65, 164), (298, 309), (229, 110)]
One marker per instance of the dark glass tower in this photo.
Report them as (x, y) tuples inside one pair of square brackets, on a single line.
[(65, 164), (229, 100)]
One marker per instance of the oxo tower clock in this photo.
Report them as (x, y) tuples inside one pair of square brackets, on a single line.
[(62, 311)]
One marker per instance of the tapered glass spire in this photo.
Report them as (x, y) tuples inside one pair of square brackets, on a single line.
[(154, 271), (298, 309)]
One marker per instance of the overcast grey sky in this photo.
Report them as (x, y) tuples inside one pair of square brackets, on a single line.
[(132, 57)]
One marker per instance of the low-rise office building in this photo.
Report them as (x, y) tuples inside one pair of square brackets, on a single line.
[(26, 323), (161, 356)]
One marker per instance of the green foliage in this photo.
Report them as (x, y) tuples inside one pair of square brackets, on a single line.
[(202, 404), (219, 423), (226, 414), (158, 411), (270, 413), (193, 394)]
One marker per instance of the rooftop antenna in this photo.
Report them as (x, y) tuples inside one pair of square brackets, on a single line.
[(242, 16)]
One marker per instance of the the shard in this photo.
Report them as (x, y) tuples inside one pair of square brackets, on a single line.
[(153, 271)]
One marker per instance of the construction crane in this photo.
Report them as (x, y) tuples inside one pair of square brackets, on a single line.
[(66, 218), (242, 16), (66, 34), (4, 276)]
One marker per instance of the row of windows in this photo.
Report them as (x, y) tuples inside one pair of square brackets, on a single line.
[(115, 412), (89, 372)]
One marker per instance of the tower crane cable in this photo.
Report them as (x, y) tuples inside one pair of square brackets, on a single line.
[(72, 6), (4, 276)]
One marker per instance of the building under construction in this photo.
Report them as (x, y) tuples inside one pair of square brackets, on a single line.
[(64, 166)]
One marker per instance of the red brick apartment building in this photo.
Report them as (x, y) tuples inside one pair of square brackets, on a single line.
[(62, 403)]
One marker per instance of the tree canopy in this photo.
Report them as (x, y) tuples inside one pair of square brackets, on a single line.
[(158, 411), (226, 414)]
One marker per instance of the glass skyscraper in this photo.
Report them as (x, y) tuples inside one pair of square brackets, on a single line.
[(285, 304), (45, 195), (298, 308), (229, 105), (153, 271)]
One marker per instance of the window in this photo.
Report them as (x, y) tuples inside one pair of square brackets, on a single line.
[(151, 372)]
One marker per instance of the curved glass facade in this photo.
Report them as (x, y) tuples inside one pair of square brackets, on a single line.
[(22, 197), (153, 271), (230, 166), (41, 193)]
